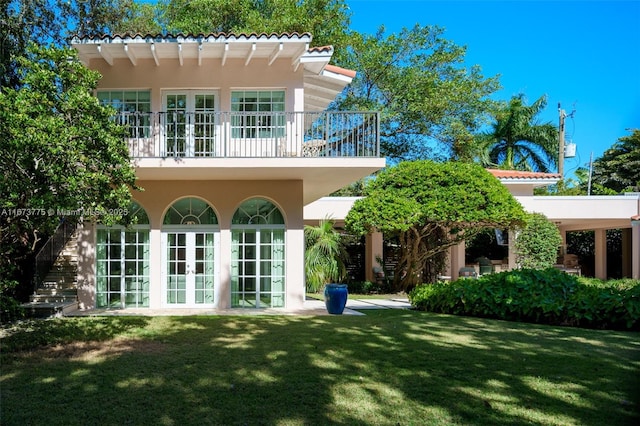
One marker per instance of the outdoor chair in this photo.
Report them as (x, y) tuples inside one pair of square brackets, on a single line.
[(467, 272)]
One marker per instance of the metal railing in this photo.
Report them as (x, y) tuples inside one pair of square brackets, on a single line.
[(252, 134), (48, 254)]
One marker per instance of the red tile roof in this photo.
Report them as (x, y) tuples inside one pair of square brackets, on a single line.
[(181, 35), (517, 174), (342, 71), (321, 49)]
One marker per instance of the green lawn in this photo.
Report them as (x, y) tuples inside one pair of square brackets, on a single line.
[(390, 367)]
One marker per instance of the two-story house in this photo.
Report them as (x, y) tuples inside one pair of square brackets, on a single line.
[(230, 138)]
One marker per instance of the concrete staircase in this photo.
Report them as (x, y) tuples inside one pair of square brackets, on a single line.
[(58, 293)]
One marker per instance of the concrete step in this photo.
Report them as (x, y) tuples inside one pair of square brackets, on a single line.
[(59, 283), (54, 291), (52, 298), (45, 310), (65, 264), (62, 272)]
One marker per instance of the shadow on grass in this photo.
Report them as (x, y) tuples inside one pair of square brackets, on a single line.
[(389, 367)]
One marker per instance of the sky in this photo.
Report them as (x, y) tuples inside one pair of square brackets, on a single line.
[(584, 55)]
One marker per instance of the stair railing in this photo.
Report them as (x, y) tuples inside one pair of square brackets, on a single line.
[(48, 254)]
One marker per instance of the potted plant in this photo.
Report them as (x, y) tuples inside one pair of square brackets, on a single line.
[(324, 260)]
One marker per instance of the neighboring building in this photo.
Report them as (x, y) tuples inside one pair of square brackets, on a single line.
[(230, 139), (569, 213)]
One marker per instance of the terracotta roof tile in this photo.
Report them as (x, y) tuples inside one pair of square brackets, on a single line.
[(342, 71), (321, 49), (518, 174), (181, 35)]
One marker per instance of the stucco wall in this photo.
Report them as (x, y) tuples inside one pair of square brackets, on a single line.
[(211, 75), (224, 197)]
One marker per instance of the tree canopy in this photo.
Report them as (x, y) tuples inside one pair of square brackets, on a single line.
[(430, 207), (517, 140), (618, 168), (60, 152), (430, 104)]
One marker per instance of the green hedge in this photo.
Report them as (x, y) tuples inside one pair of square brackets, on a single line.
[(540, 296)]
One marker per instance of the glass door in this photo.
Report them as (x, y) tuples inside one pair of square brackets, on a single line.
[(190, 124), (189, 268)]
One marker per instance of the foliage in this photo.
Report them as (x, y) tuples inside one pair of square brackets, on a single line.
[(545, 296), (368, 287), (10, 309), (416, 80), (60, 153), (355, 189), (326, 20), (517, 140), (22, 21), (619, 167), (537, 244), (51, 23), (325, 255), (430, 207)]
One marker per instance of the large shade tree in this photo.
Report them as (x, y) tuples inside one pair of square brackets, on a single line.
[(517, 140), (327, 20), (618, 169), (51, 22), (60, 153), (430, 104), (429, 207)]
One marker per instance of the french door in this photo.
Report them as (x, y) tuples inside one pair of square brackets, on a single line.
[(189, 265), (189, 124)]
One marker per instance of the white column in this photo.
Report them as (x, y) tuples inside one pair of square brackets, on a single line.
[(223, 292), (295, 281), (155, 268), (601, 253)]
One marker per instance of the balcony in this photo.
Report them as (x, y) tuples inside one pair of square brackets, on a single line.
[(192, 135)]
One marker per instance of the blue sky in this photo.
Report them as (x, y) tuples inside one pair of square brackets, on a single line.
[(583, 54)]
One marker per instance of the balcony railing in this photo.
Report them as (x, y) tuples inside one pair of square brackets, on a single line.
[(248, 134)]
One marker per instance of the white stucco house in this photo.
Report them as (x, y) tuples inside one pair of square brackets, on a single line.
[(232, 142), (230, 139)]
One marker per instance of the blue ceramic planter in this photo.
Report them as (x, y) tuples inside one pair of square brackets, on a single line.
[(335, 298)]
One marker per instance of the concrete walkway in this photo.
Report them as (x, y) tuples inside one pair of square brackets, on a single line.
[(311, 307)]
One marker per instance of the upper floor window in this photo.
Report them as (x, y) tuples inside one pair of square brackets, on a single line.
[(133, 109), (257, 113)]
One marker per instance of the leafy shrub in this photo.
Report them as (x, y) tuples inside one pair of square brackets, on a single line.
[(539, 296), (10, 309), (368, 287), (537, 243)]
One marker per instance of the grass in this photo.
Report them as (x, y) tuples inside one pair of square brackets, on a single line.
[(389, 367)]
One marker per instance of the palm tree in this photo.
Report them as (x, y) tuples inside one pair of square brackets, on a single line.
[(518, 141), (325, 255)]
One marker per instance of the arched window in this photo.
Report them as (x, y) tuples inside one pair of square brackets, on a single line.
[(258, 255), (190, 211), (257, 211), (122, 262)]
